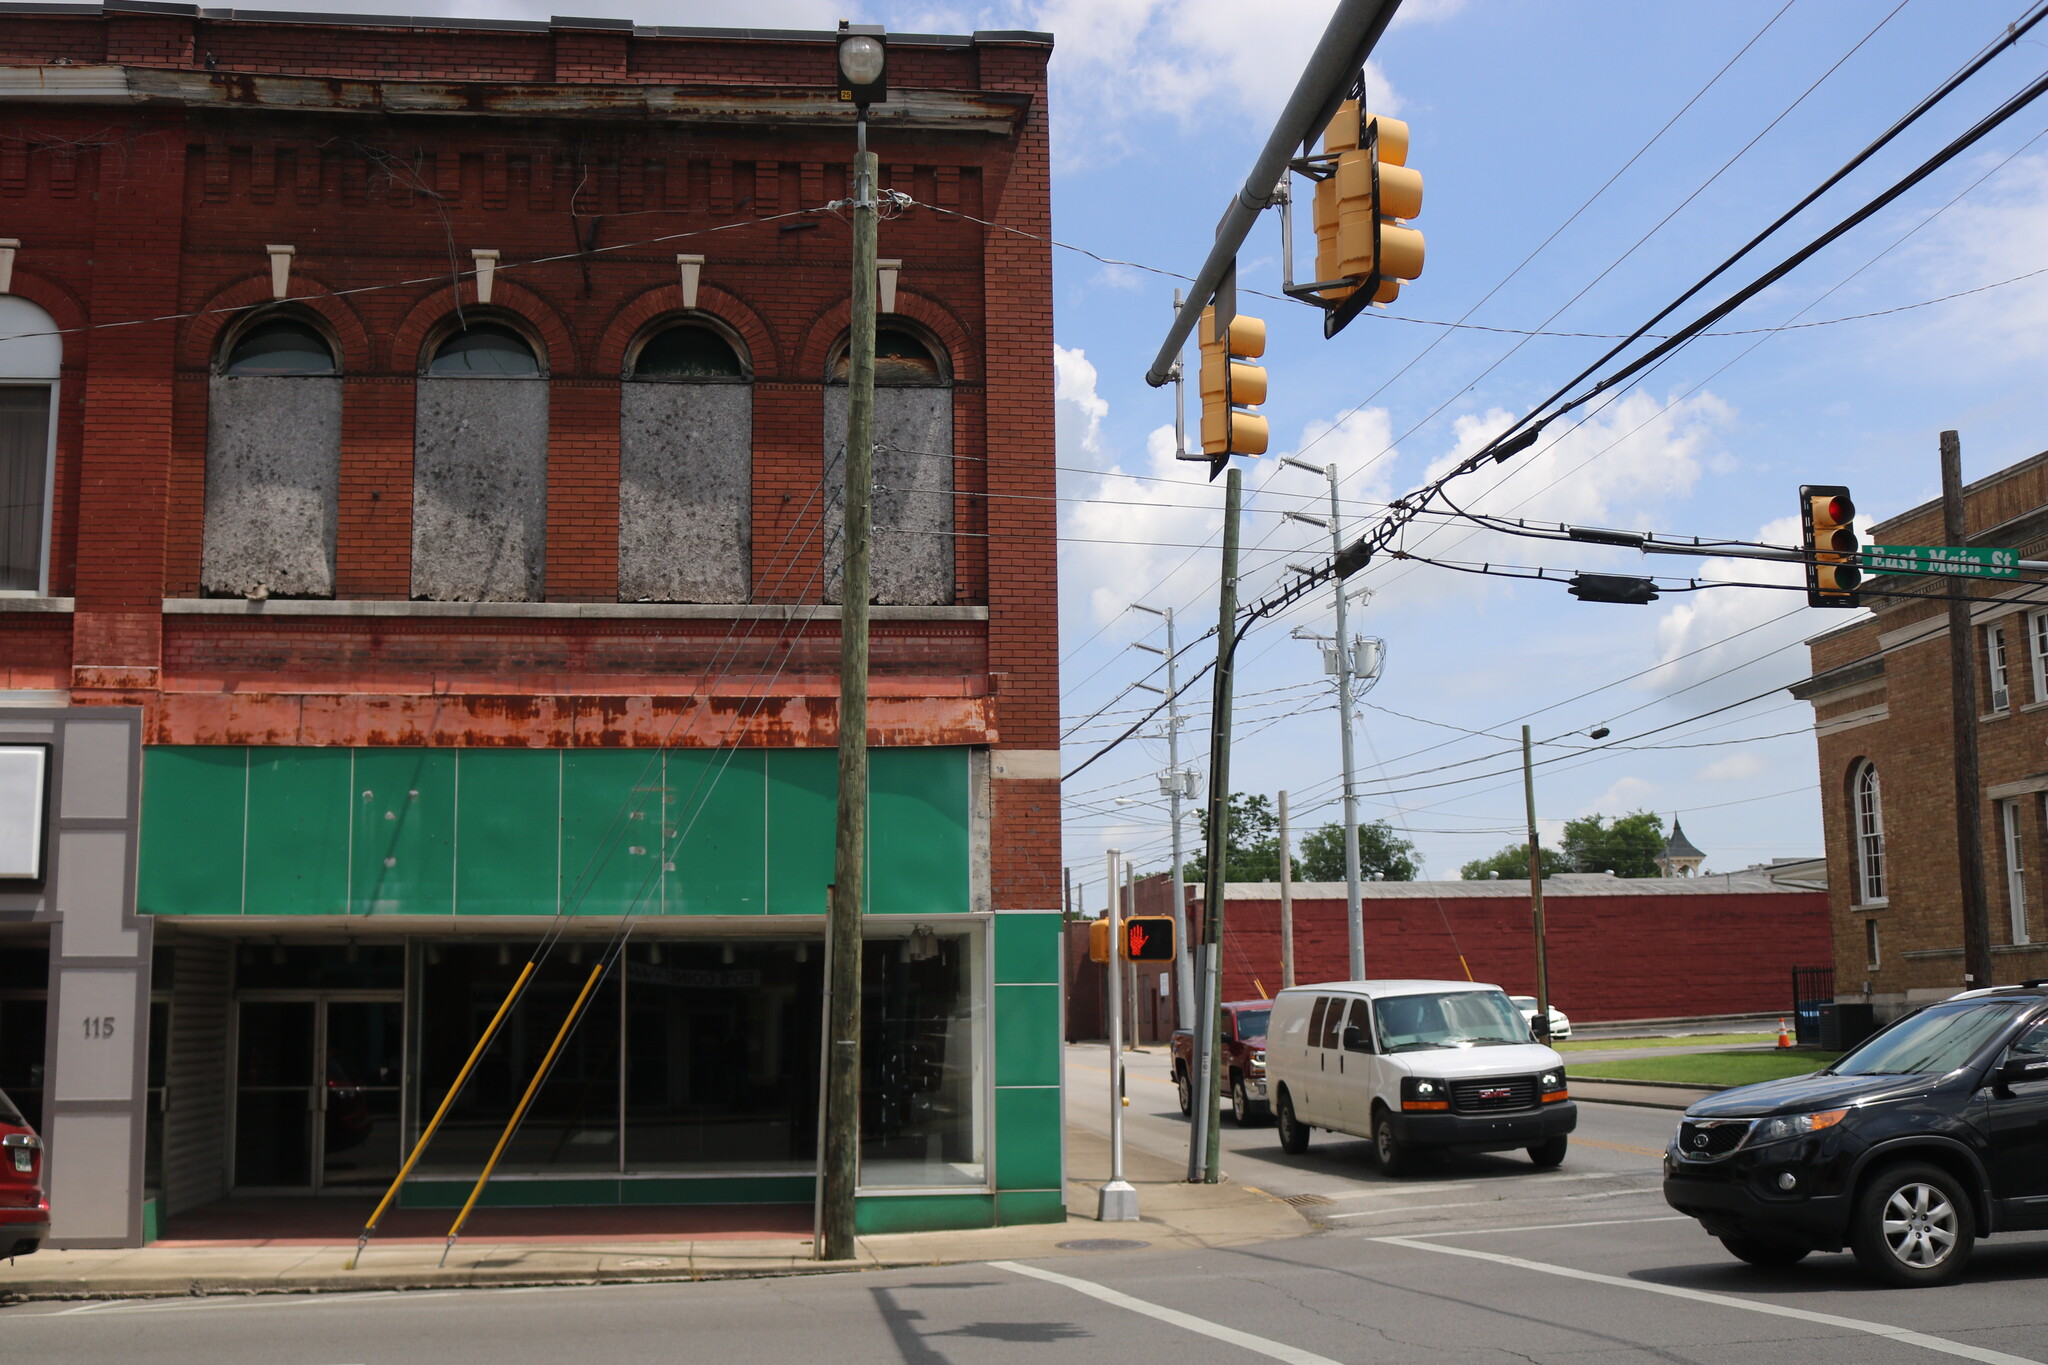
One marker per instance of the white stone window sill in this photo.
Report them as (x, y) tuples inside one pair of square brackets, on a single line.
[(613, 611), (1995, 715), (12, 601), (1872, 905)]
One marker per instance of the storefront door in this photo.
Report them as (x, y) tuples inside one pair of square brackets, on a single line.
[(317, 1086)]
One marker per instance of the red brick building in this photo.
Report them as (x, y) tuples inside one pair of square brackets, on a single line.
[(1882, 709), (422, 435), (1619, 947)]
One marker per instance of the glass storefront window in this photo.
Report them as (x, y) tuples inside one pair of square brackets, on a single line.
[(921, 1071), (24, 1006), (722, 1056)]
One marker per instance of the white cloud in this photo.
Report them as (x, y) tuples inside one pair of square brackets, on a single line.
[(1627, 794), (1734, 768), (1693, 636), (1992, 235)]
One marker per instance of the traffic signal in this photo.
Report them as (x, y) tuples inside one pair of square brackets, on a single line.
[(1098, 940), (1230, 386), (1360, 210), (1148, 938), (1833, 571)]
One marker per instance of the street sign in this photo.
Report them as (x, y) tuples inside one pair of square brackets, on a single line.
[(1957, 560)]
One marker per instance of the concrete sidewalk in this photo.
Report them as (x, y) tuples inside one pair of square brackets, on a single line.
[(1175, 1214)]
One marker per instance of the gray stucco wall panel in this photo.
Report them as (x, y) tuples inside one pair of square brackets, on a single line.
[(273, 477), (912, 563), (480, 476), (686, 478)]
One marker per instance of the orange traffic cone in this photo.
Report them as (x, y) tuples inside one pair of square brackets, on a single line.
[(1784, 1038)]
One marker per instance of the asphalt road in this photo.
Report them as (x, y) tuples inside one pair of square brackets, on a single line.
[(1479, 1260)]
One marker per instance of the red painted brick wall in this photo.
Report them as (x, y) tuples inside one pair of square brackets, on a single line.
[(129, 213)]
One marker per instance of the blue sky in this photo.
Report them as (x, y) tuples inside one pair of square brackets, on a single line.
[(1520, 113)]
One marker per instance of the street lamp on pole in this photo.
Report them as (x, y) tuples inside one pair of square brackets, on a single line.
[(863, 80)]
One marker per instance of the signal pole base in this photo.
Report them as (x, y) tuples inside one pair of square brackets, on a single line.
[(1117, 1202)]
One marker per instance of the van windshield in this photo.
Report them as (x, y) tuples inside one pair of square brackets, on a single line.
[(1412, 1023)]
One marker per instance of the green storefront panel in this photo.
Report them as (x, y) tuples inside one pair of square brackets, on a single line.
[(1027, 947), (717, 832), (873, 1214), (298, 850), (1031, 1206), (414, 831), (1027, 1021), (403, 855), (507, 817), (1028, 1139), (917, 832), (193, 827), (803, 803), (611, 803)]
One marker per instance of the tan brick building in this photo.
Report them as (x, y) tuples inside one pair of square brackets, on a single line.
[(1881, 699)]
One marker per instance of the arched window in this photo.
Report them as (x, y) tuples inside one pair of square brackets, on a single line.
[(281, 346), (273, 462), (686, 468), (912, 562), (480, 467), (30, 355), (484, 350), (1868, 834)]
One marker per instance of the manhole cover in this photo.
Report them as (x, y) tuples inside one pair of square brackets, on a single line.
[(1104, 1244), (1305, 1201)]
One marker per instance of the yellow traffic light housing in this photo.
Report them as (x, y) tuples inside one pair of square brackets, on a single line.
[(1098, 940), (1364, 193), (1229, 386), (1833, 565)]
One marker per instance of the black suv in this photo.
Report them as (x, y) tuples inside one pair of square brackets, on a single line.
[(1930, 1135)]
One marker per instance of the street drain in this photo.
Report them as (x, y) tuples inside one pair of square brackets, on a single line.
[(1305, 1201), (1104, 1244)]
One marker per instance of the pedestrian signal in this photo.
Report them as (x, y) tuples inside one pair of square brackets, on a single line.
[(1148, 938)]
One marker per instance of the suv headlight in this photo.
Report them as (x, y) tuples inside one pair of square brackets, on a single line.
[(1551, 1085), (1795, 1125)]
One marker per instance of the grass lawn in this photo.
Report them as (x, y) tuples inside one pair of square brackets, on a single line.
[(1709, 1068), (1694, 1040)]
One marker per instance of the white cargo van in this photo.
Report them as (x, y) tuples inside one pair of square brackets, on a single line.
[(1415, 1065)]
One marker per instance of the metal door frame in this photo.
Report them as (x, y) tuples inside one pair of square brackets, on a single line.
[(317, 1088)]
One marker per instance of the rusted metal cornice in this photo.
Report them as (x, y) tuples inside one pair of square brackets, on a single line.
[(957, 111)]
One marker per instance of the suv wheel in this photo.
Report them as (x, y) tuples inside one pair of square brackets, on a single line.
[(1187, 1091), (1293, 1132), (1912, 1226), (1759, 1251), (1550, 1152), (1392, 1153)]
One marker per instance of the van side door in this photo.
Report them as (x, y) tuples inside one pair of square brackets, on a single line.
[(1319, 1101), (1361, 1067)]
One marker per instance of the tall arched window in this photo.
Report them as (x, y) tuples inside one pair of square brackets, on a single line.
[(273, 462), (1868, 834), (480, 468), (686, 469), (30, 355), (912, 561)]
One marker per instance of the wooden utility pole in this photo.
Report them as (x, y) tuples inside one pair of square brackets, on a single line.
[(1204, 1139), (840, 1161), (1286, 899), (1962, 681), (1536, 888)]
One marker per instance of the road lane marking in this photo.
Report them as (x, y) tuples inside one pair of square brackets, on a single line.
[(1578, 1141), (1415, 1208), (1272, 1350), (1904, 1336), (1550, 1227)]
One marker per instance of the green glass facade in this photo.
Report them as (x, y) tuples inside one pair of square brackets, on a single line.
[(392, 841)]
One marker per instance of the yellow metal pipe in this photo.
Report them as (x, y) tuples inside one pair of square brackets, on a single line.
[(533, 1087), (434, 1124)]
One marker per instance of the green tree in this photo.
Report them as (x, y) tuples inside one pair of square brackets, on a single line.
[(1512, 863), (1627, 845), (1381, 853), (1254, 850)]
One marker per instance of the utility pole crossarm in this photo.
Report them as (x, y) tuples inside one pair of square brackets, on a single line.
[(1352, 33)]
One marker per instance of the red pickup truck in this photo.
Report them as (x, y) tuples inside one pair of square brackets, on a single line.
[(1243, 1042)]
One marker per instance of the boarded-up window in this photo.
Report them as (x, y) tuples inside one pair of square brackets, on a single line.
[(480, 470), (686, 471), (273, 464), (912, 560)]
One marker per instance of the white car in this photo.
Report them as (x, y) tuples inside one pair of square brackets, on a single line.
[(1415, 1065), (1560, 1027)]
